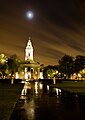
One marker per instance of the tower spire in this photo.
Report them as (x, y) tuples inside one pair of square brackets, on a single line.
[(29, 50)]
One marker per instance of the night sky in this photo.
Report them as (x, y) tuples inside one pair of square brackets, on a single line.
[(58, 28)]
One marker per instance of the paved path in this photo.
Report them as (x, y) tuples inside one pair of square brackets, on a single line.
[(19, 112), (45, 104)]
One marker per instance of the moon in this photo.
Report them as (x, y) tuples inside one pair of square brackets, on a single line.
[(30, 14)]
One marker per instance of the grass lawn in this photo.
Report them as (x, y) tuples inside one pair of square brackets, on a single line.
[(72, 86), (9, 95)]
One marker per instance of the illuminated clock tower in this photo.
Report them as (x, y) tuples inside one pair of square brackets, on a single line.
[(29, 51)]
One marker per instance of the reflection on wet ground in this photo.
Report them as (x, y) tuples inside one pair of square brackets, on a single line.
[(40, 102)]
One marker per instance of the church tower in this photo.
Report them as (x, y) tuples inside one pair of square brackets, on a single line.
[(29, 51)]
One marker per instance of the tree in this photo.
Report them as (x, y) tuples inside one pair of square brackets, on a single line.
[(66, 65), (49, 71), (13, 64), (79, 63), (82, 72), (3, 65)]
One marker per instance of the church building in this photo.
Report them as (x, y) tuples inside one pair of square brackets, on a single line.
[(33, 69)]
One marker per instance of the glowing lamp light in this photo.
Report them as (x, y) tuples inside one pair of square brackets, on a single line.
[(48, 87), (30, 14), (36, 87)]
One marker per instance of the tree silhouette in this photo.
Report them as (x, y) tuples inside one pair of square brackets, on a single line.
[(79, 63), (66, 65)]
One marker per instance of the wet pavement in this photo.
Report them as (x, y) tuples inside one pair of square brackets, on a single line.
[(40, 102)]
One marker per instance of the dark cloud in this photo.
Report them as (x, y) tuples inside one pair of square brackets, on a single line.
[(58, 28)]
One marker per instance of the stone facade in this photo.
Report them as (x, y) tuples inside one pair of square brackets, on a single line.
[(33, 69)]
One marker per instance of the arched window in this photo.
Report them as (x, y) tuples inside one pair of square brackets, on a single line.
[(29, 54)]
